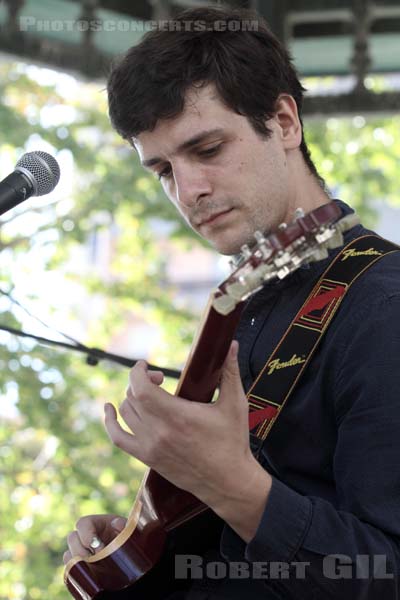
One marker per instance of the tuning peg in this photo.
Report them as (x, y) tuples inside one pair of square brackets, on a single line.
[(224, 304), (259, 237), (245, 250), (298, 213), (264, 245), (232, 264)]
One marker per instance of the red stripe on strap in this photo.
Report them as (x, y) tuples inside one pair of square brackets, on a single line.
[(257, 416), (320, 301)]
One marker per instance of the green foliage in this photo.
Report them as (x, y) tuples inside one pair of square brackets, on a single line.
[(359, 158), (56, 462)]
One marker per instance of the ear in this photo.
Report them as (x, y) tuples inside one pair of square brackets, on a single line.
[(287, 118)]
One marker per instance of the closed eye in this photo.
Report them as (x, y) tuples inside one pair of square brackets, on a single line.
[(210, 151), (165, 172), (202, 153)]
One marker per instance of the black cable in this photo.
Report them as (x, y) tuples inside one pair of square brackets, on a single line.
[(27, 311), (94, 355)]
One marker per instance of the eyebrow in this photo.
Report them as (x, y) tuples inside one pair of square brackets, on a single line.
[(186, 145)]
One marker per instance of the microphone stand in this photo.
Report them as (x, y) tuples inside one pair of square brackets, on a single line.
[(93, 355)]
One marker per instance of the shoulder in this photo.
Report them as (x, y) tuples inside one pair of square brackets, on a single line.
[(381, 280), (370, 308)]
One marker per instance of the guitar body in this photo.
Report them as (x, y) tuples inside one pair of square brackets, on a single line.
[(143, 554), (195, 537), (139, 563)]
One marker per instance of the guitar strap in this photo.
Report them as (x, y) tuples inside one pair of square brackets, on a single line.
[(298, 344)]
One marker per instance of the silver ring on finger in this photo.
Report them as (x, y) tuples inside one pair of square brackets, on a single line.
[(95, 543)]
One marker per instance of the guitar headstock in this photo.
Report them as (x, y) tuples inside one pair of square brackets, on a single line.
[(306, 239)]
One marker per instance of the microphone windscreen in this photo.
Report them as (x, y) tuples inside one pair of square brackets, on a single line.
[(42, 169)]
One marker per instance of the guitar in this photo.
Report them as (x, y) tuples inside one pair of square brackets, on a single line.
[(164, 519)]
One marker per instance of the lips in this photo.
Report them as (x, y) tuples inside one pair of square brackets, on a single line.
[(213, 217)]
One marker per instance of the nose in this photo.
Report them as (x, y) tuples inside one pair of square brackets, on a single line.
[(191, 185)]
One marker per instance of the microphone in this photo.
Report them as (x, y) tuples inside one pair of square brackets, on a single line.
[(36, 174)]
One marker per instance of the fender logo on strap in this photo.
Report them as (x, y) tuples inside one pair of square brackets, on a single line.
[(352, 252), (277, 364)]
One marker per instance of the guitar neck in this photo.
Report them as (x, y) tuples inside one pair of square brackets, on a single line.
[(201, 374)]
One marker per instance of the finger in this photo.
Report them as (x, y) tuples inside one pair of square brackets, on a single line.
[(156, 377), (75, 545), (130, 400), (130, 416), (148, 397), (140, 365), (88, 529), (67, 557), (120, 438), (119, 523), (139, 377)]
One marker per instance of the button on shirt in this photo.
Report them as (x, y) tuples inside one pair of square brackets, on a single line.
[(331, 525)]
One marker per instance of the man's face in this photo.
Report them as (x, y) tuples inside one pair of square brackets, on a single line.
[(225, 180)]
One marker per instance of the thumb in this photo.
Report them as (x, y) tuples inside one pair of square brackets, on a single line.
[(230, 377), (118, 523)]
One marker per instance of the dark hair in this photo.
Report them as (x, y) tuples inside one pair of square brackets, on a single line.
[(233, 49)]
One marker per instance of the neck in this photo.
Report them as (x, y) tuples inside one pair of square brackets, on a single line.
[(307, 192)]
